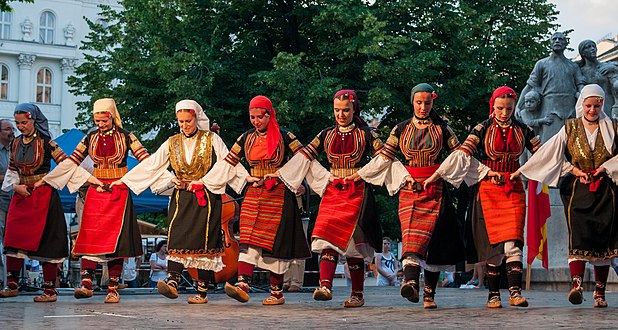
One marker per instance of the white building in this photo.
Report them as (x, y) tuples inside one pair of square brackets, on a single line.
[(39, 49)]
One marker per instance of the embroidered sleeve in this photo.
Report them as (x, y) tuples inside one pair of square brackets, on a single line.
[(137, 148), (81, 151), (56, 152), (450, 139), (470, 145), (376, 143), (294, 145), (234, 156), (313, 149), (389, 150)]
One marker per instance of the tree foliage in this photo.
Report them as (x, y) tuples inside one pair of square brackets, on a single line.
[(4, 4), (299, 52)]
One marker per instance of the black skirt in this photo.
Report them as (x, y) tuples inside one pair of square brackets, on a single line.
[(369, 229), (591, 218), (290, 241), (446, 246), (194, 230)]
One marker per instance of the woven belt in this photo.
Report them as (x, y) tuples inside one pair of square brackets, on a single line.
[(31, 179), (110, 173), (343, 172), (260, 172)]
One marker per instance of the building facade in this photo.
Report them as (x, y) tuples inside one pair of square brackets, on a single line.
[(39, 50)]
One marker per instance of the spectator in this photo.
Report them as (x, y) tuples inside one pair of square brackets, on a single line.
[(386, 264), (158, 264), (129, 271)]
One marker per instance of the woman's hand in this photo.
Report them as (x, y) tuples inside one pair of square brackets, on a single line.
[(116, 183), (515, 175), (271, 176), (39, 184), (332, 179), (433, 178), (256, 182), (177, 183), (94, 181), (301, 190), (21, 189), (599, 170), (495, 177), (583, 177), (354, 177)]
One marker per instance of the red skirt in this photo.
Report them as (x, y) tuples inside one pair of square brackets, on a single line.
[(504, 215), (260, 215), (26, 219), (102, 221), (338, 214)]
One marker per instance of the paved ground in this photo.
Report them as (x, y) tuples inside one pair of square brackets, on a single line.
[(384, 308)]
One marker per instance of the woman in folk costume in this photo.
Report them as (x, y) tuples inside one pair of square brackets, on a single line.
[(35, 224), (110, 209), (347, 221), (498, 208), (194, 235), (429, 227), (271, 232), (584, 150)]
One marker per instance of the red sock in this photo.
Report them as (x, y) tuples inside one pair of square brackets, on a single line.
[(50, 273), (89, 264), (276, 285), (577, 268), (600, 277), (13, 269), (115, 271), (328, 265), (245, 269), (88, 269), (357, 274)]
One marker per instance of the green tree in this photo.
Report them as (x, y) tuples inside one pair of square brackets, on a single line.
[(4, 4), (299, 52)]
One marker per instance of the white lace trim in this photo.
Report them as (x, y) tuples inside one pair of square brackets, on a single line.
[(416, 261), (215, 264), (24, 255)]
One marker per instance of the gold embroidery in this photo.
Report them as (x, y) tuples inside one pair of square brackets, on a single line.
[(200, 163)]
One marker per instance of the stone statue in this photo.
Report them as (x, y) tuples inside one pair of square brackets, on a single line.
[(602, 74), (69, 33), (531, 114), (26, 30), (558, 80)]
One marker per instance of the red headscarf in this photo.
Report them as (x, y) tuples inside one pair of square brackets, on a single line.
[(273, 135), (351, 95), (510, 143), (500, 91)]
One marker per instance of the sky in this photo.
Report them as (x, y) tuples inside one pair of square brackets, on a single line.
[(590, 19)]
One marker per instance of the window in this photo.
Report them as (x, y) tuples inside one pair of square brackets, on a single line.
[(44, 85), (5, 25), (4, 82), (46, 27)]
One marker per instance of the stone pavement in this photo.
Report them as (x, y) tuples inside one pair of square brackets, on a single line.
[(385, 308)]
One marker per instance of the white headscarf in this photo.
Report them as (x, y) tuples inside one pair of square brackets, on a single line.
[(203, 122), (108, 105), (605, 124)]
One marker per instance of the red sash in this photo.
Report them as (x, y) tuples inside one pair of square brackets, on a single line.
[(102, 220), (338, 214), (26, 219)]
